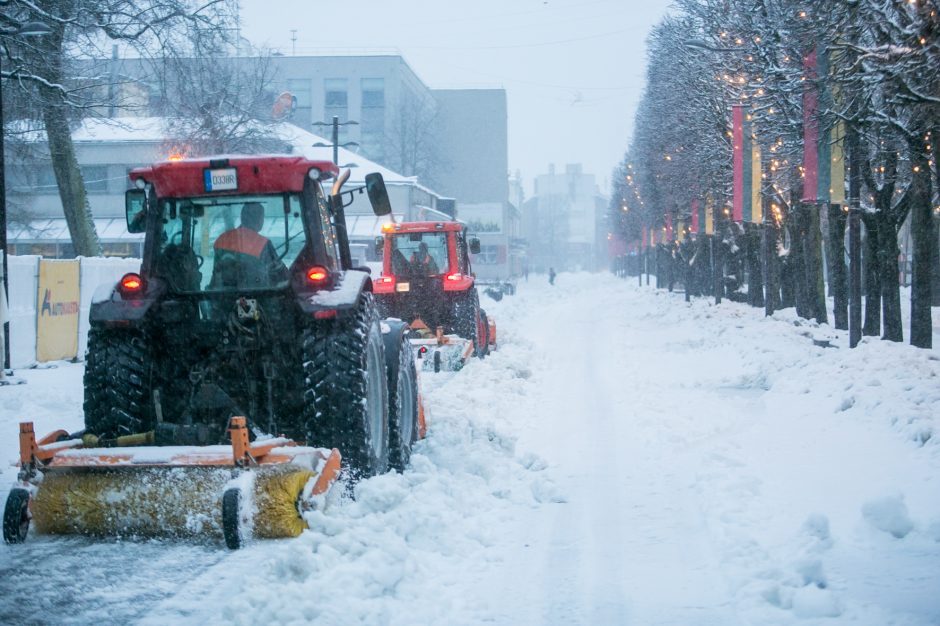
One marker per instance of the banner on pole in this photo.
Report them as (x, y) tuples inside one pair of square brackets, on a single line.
[(737, 161), (709, 215), (811, 131), (58, 310)]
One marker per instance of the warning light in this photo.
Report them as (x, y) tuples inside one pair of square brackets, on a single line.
[(131, 284), (317, 274), (175, 157)]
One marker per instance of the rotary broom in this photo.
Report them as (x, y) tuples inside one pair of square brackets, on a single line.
[(72, 485)]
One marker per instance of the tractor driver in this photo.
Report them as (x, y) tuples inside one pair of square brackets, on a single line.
[(422, 263), (245, 257)]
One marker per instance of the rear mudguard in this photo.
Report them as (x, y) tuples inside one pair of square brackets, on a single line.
[(113, 309), (342, 297)]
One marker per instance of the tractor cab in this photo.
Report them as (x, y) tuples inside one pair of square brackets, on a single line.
[(427, 279)]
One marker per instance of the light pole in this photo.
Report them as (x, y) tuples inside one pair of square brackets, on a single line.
[(29, 29), (336, 145)]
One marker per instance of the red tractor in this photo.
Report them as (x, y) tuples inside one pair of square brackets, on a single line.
[(427, 281)]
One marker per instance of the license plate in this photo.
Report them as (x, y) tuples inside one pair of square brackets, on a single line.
[(403, 287), (225, 179)]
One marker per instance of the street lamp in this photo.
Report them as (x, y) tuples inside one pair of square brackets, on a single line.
[(29, 29), (336, 145)]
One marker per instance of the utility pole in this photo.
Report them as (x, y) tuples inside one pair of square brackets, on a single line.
[(336, 145)]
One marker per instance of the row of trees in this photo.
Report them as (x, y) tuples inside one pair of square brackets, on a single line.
[(862, 76)]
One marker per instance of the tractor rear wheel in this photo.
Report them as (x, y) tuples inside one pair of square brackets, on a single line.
[(468, 320), (402, 395), (345, 388), (118, 382)]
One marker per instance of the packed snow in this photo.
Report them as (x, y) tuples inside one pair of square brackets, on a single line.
[(623, 458)]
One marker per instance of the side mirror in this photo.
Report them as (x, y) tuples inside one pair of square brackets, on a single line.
[(474, 246), (135, 210), (378, 195), (379, 246)]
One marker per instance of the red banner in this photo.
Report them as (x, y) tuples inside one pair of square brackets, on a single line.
[(737, 157), (810, 130), (695, 208)]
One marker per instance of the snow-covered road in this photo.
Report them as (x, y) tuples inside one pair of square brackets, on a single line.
[(624, 458)]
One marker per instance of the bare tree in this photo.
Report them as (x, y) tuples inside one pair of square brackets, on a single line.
[(411, 143), (43, 69)]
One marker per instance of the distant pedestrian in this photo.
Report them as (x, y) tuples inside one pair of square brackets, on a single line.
[(551, 276)]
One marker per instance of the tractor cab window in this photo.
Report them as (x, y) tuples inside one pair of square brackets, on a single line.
[(419, 254), (231, 242)]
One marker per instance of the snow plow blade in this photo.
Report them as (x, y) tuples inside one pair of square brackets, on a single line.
[(236, 492)]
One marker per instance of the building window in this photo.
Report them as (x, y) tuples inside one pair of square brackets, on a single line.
[(372, 119), (336, 103), (373, 92), (96, 178), (489, 255), (301, 88)]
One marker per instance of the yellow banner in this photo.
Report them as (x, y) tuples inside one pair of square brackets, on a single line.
[(709, 215), (57, 311), (837, 178)]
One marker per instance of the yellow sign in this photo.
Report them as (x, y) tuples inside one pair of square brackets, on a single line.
[(57, 311)]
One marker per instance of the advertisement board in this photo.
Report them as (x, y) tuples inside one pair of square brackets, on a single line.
[(57, 313)]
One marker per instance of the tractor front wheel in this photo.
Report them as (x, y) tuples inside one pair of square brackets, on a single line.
[(16, 516), (402, 394)]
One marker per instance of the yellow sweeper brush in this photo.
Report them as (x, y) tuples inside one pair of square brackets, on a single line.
[(259, 489)]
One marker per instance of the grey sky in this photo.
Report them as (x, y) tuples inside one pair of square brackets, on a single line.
[(572, 69)]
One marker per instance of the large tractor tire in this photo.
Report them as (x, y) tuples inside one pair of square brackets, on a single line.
[(118, 382), (402, 394), (468, 321), (486, 332), (346, 389)]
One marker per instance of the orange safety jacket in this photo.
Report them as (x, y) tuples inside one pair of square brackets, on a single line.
[(243, 240)]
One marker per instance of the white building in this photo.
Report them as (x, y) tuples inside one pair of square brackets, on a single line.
[(562, 221)]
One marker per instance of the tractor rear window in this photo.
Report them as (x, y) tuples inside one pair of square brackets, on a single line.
[(419, 254), (229, 243)]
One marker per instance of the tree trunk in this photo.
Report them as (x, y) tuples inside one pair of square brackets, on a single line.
[(68, 175), (890, 282), (838, 286), (872, 267), (815, 281), (71, 186), (755, 281), (795, 267), (921, 234), (934, 242)]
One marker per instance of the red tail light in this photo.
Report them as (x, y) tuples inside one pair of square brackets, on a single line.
[(317, 275), (131, 284), (384, 284), (457, 281)]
